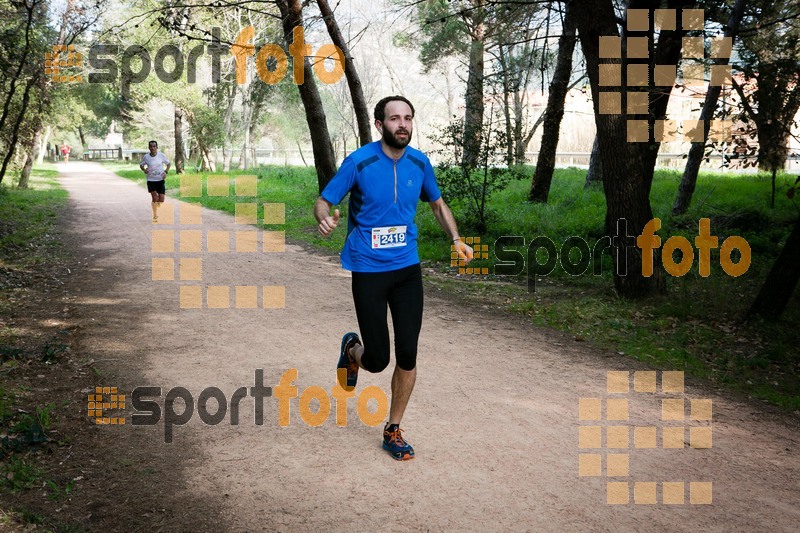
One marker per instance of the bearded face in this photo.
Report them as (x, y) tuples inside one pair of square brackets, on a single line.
[(399, 138), (397, 126)]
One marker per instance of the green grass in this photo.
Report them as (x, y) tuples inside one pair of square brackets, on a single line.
[(695, 327), (28, 240), (29, 246), (28, 218), (32, 258), (294, 187), (19, 474)]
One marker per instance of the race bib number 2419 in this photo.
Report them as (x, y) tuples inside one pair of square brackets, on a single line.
[(389, 237)]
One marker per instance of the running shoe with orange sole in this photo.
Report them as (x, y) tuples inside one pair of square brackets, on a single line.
[(345, 361), (395, 444)]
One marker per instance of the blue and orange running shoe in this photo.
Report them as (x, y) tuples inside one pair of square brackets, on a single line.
[(345, 361), (395, 444)]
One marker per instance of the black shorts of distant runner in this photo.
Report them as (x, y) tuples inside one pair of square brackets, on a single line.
[(156, 186)]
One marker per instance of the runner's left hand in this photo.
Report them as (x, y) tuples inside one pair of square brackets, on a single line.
[(463, 250)]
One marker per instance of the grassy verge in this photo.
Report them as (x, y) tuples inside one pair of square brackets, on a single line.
[(294, 187), (27, 219), (31, 346), (695, 327)]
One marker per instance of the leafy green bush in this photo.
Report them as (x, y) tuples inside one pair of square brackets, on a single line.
[(468, 189)]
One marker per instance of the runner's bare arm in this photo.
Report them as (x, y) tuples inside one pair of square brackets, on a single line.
[(327, 223), (445, 219)]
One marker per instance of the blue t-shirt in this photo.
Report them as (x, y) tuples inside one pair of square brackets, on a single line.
[(381, 234)]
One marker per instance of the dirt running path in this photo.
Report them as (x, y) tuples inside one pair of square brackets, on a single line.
[(494, 417)]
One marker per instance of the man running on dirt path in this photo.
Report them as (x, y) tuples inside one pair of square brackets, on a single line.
[(155, 165), (386, 179)]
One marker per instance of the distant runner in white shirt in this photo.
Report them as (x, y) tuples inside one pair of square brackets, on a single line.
[(155, 165)]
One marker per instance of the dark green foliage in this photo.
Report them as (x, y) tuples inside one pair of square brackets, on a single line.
[(471, 189)]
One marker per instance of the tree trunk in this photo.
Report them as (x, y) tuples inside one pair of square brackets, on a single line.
[(256, 107), (208, 163), (668, 52), (473, 114), (696, 152), (227, 144), (627, 193), (23, 62), (18, 75), (44, 144), (252, 134), (300, 150), (26, 97), (31, 154), (595, 173), (180, 152), (324, 158), (44, 102), (62, 32), (778, 101), (522, 144), (510, 137), (451, 105), (353, 81), (243, 154), (781, 280), (773, 141), (772, 196), (25, 175), (82, 137), (247, 115), (546, 162)]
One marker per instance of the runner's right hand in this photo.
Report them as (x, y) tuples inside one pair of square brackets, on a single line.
[(328, 224)]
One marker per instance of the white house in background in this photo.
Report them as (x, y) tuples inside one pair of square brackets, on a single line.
[(113, 138)]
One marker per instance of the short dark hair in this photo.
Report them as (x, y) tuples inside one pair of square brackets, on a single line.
[(152, 142), (380, 107)]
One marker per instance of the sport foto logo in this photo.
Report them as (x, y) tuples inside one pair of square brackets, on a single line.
[(62, 57), (148, 410), (510, 261), (169, 61), (631, 92), (174, 250), (704, 241), (298, 50), (607, 439)]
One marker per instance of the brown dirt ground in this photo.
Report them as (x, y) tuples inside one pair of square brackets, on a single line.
[(494, 418)]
